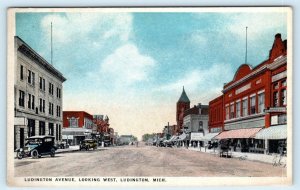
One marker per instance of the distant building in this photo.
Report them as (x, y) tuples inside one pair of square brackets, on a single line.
[(38, 95), (78, 125), (195, 122), (181, 106), (125, 139)]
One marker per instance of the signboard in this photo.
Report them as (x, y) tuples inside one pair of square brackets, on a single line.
[(196, 136), (20, 121)]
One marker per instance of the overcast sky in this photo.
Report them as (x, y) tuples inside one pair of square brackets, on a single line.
[(132, 66)]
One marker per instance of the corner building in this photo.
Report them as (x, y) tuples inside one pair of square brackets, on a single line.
[(38, 95), (253, 101)]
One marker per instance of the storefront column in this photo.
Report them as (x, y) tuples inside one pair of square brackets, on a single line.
[(266, 146), (46, 128), (198, 144), (37, 127)]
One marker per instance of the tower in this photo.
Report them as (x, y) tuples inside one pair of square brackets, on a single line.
[(182, 104)]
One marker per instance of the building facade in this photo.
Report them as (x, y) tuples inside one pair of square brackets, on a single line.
[(195, 123), (181, 106), (255, 99), (77, 125), (38, 96)]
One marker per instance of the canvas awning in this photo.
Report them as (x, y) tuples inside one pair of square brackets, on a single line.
[(273, 132), (181, 137), (173, 138), (238, 134)]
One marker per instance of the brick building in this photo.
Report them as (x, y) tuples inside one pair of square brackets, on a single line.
[(78, 125), (253, 101), (38, 95), (182, 105)]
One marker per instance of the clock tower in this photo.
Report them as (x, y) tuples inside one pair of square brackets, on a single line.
[(182, 104)]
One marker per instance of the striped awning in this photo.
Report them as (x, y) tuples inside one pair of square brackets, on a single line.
[(238, 134), (181, 137), (273, 132)]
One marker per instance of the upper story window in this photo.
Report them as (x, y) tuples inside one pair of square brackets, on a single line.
[(31, 101), (252, 105), (73, 122), (51, 87), (58, 92), (227, 112), (58, 111), (261, 102), (231, 111), (42, 105), (276, 86), (238, 109), (283, 83), (50, 108), (42, 84), (276, 99), (21, 72), (21, 98), (245, 107), (31, 77), (283, 97)]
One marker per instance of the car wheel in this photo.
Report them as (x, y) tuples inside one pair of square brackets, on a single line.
[(34, 154), (19, 155), (52, 153), (87, 148)]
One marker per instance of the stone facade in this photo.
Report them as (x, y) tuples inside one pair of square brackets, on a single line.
[(38, 95)]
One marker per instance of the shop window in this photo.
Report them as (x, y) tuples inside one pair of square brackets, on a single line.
[(238, 109), (275, 99), (252, 105), (261, 102), (245, 107), (283, 97)]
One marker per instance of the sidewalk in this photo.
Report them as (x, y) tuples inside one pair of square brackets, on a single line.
[(245, 155), (74, 149)]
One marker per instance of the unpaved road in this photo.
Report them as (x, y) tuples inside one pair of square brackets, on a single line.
[(142, 161)]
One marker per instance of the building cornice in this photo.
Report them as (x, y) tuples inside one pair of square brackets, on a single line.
[(277, 63), (34, 56)]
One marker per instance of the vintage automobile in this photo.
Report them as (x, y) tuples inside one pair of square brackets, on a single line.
[(88, 144), (37, 146)]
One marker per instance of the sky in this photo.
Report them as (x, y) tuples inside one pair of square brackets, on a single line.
[(132, 66)]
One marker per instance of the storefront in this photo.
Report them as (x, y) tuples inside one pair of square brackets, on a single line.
[(274, 138), (240, 140)]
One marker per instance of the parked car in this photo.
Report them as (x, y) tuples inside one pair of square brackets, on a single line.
[(88, 144), (62, 145), (37, 146)]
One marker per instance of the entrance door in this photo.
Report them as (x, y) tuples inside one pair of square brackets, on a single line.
[(21, 137)]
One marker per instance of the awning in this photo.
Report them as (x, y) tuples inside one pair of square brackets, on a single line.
[(273, 132), (238, 134), (181, 137), (209, 136), (173, 138)]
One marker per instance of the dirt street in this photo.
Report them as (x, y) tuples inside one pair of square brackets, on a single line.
[(142, 161)]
